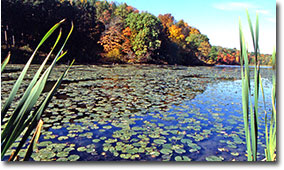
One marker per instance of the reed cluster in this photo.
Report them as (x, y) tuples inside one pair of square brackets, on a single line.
[(250, 98), (24, 120)]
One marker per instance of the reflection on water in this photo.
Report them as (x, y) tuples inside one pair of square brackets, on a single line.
[(238, 66)]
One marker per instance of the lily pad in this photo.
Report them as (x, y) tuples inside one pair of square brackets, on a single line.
[(214, 158), (73, 157), (96, 140), (160, 141), (62, 159), (166, 151), (81, 149), (183, 158), (62, 138), (62, 154)]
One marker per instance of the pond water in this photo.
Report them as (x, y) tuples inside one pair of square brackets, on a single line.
[(145, 113)]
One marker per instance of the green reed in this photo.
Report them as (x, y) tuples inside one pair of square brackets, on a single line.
[(250, 110), (270, 129), (26, 116)]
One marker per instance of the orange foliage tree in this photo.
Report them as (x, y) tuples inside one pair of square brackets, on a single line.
[(176, 34)]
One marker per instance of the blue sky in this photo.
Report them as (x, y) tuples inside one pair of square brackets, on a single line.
[(218, 19)]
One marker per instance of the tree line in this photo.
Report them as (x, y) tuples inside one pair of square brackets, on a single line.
[(104, 32)]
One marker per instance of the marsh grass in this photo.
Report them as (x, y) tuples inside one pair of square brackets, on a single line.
[(250, 107), (5, 62), (26, 116)]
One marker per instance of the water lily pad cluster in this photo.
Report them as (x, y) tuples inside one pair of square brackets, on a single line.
[(164, 113)]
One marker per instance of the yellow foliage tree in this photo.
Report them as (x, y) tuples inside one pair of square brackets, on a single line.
[(204, 49), (176, 34)]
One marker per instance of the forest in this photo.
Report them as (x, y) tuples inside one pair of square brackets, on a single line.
[(109, 32)]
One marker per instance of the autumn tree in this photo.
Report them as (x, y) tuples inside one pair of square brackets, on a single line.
[(199, 43), (123, 11), (145, 30), (105, 11), (167, 21), (185, 28), (176, 34), (112, 38)]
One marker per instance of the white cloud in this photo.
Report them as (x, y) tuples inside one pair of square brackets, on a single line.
[(265, 12), (233, 6)]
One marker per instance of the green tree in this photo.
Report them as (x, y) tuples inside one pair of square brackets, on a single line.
[(145, 40), (123, 11), (213, 55), (200, 44)]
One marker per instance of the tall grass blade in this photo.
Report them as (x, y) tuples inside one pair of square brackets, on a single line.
[(15, 115), (271, 149), (38, 112), (24, 71), (23, 116), (22, 122), (245, 91), (250, 27), (33, 141), (5, 62), (250, 113), (26, 109)]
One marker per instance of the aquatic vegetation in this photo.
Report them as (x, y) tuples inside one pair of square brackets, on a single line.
[(24, 118), (214, 158), (5, 62), (184, 158), (250, 106), (270, 130), (144, 114)]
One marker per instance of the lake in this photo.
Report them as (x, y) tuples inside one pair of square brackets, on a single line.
[(144, 113)]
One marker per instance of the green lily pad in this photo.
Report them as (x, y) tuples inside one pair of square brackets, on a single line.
[(111, 140), (155, 153), (183, 158), (62, 154), (214, 158), (167, 157), (73, 157), (62, 138), (46, 154), (166, 151), (72, 135), (125, 156), (81, 149), (96, 140), (160, 141), (178, 158), (62, 159), (44, 143), (180, 151), (107, 127), (103, 138), (68, 149), (56, 127)]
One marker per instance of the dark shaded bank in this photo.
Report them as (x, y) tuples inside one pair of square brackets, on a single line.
[(22, 54)]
